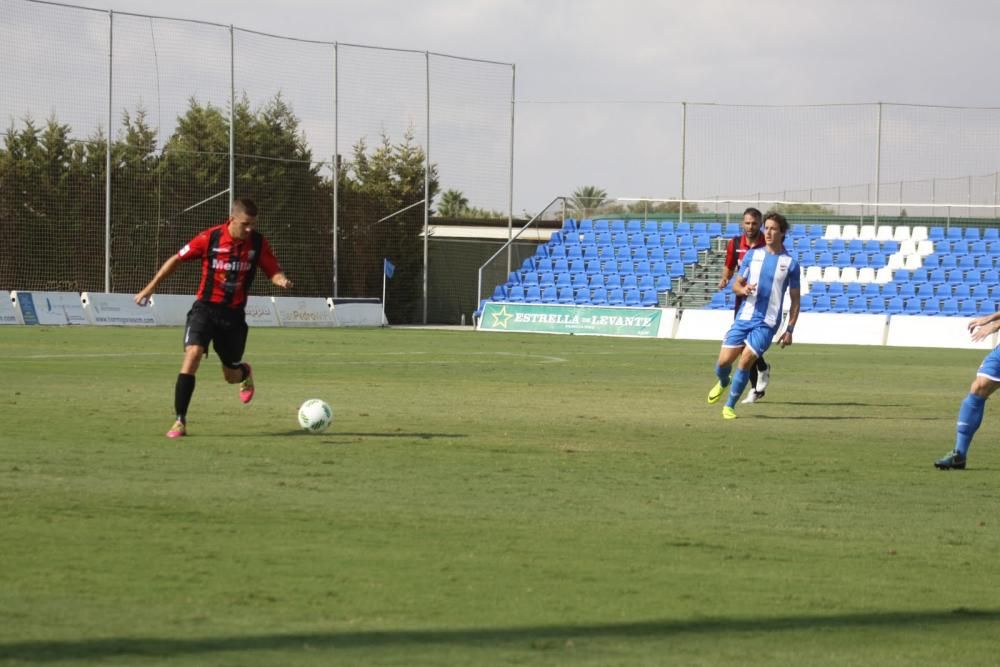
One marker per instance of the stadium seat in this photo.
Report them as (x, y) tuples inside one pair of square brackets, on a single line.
[(953, 233), (646, 282), (912, 262), (907, 290), (859, 304), (578, 279), (877, 260), (949, 307), (821, 304), (940, 290), (616, 297), (849, 232), (841, 304), (911, 306), (901, 233), (598, 296), (931, 307), (876, 304), (581, 296), (842, 259), (732, 229), (991, 234), (831, 274), (585, 225), (682, 229), (663, 283), (632, 297), (689, 256), (499, 293), (715, 228), (831, 232), (833, 290), (566, 296), (814, 231), (849, 274), (968, 307), (515, 294), (919, 233), (980, 291), (894, 305), (867, 233), (884, 233), (549, 294), (814, 274), (601, 225), (883, 275), (934, 233), (895, 261), (667, 227), (629, 281), (871, 290), (532, 294), (648, 298)]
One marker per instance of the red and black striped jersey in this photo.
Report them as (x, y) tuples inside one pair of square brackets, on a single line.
[(228, 265), (737, 248)]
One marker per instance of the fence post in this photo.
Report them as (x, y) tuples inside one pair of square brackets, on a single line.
[(878, 160), (107, 155), (510, 172), (232, 115), (427, 171), (680, 207), (336, 162)]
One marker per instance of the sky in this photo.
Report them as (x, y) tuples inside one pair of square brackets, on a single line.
[(599, 86)]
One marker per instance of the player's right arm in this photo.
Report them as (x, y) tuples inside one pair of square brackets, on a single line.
[(169, 266), (196, 248), (729, 267)]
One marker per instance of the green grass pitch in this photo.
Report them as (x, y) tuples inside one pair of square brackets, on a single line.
[(490, 499)]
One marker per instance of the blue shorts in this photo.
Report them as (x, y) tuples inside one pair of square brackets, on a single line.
[(755, 335), (991, 366)]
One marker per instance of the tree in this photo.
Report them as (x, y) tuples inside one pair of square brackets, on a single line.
[(802, 209), (453, 204), (587, 199)]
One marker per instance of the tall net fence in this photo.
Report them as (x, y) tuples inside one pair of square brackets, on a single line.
[(334, 141)]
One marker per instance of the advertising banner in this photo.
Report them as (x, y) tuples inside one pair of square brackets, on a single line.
[(589, 320)]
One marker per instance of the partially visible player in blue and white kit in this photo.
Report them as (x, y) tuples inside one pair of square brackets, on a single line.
[(987, 381), (765, 275)]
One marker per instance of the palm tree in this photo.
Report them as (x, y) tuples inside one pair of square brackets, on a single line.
[(588, 198), (453, 204)]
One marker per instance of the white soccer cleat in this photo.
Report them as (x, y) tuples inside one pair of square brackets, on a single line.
[(752, 397), (763, 378)]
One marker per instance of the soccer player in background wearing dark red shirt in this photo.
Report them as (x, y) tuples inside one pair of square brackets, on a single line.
[(230, 254), (737, 247)]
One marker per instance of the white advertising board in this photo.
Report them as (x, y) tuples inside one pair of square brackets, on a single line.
[(50, 308), (8, 314), (104, 309), (840, 329), (923, 331), (303, 311), (170, 310), (261, 312), (356, 314), (704, 324)]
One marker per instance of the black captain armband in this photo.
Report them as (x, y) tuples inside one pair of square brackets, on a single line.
[(790, 328)]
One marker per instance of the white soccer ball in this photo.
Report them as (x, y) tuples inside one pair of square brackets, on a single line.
[(315, 415)]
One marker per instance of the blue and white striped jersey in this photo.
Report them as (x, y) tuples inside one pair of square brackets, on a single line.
[(773, 275)]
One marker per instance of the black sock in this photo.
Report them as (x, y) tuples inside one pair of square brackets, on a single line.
[(246, 371), (182, 394), (761, 364), (753, 378)]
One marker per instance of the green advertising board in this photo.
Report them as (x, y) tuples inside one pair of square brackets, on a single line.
[(548, 318)]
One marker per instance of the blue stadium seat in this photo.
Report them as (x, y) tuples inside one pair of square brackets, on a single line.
[(617, 226), (805, 301), (833, 290), (563, 279), (532, 294), (901, 276), (577, 265), (646, 282), (601, 225), (574, 252), (936, 233), (968, 307), (648, 298), (931, 307), (991, 277), (585, 225), (642, 267), (549, 294), (658, 268), (629, 281), (860, 260), (818, 289), (560, 265), (991, 234), (859, 304), (702, 242), (667, 227), (546, 279), (838, 245), (566, 296), (732, 229), (876, 304), (889, 290), (926, 290), (949, 307), (588, 238), (980, 291), (807, 258), (616, 297), (931, 262), (581, 296), (682, 229), (632, 297), (942, 290), (971, 234), (877, 260), (651, 227), (557, 252), (715, 228), (593, 266), (872, 246), (499, 293), (956, 276), (824, 258), (699, 227), (556, 238), (634, 226), (515, 294), (676, 269), (894, 305), (668, 241), (815, 231), (841, 304), (907, 290), (718, 301), (663, 283), (689, 256), (822, 304), (578, 279), (821, 245), (912, 306), (935, 276), (619, 238), (528, 278), (842, 259)]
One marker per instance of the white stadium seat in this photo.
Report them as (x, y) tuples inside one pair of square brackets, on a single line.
[(883, 275), (913, 262), (896, 261), (918, 233), (849, 274), (925, 247), (832, 232), (901, 233), (866, 275), (814, 274), (849, 232), (867, 233), (884, 233), (831, 274), (907, 248)]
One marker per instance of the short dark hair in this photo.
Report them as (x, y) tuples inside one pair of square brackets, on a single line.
[(754, 212), (246, 205), (778, 218)]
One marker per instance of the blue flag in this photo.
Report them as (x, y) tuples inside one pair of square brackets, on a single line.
[(389, 268)]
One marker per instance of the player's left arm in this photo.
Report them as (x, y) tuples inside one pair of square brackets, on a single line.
[(269, 263), (795, 297)]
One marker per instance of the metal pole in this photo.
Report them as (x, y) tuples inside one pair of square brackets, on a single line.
[(427, 170), (996, 176), (510, 173), (336, 165), (232, 116), (680, 208), (878, 159), (107, 156)]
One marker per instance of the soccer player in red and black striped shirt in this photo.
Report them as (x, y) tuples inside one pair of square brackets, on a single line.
[(230, 254), (737, 247)]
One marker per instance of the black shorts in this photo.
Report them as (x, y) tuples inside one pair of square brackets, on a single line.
[(224, 327)]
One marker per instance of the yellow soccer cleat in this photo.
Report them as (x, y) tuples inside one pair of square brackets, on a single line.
[(728, 413), (716, 393)]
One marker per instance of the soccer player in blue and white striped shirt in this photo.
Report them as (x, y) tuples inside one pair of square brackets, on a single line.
[(765, 275)]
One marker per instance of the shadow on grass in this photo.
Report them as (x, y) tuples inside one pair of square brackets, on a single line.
[(486, 638), (299, 433)]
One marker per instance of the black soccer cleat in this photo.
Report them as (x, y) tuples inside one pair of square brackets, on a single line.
[(954, 461)]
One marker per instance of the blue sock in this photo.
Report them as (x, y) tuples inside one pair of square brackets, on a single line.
[(723, 375), (740, 379), (970, 416)]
